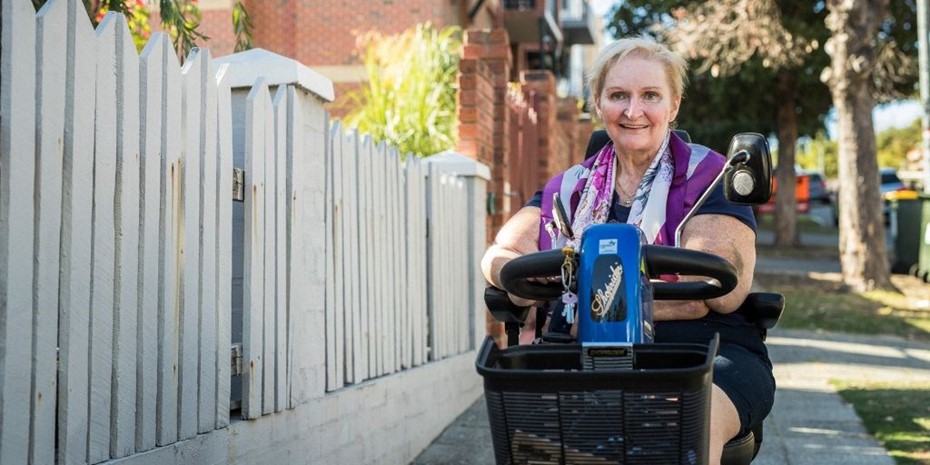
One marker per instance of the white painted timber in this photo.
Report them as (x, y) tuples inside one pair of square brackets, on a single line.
[(189, 246), (308, 239), (126, 253), (268, 343), (257, 109), (224, 141), (151, 79), (171, 230), (17, 172), (368, 258), (335, 311), (276, 70), (51, 61), (210, 354), (104, 245), (76, 236), (280, 105), (354, 372)]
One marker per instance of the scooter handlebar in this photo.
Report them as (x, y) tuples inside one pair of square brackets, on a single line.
[(659, 259), (515, 275), (664, 260)]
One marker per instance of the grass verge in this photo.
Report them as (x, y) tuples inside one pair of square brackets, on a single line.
[(821, 302), (897, 414)]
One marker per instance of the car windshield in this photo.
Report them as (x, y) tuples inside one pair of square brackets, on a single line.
[(890, 178)]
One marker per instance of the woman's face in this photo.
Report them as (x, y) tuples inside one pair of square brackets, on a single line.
[(637, 105)]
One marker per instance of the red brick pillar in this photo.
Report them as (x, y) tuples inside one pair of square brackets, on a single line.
[(491, 50), (484, 123), (541, 85)]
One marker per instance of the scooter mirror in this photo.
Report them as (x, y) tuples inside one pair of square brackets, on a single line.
[(748, 176)]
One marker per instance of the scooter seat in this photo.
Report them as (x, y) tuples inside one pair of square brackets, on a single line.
[(763, 309), (740, 450)]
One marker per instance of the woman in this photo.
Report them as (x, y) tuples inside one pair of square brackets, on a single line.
[(649, 177)]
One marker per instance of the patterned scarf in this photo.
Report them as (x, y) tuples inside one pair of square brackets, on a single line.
[(648, 209)]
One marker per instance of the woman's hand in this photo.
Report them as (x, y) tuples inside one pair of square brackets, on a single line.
[(667, 310)]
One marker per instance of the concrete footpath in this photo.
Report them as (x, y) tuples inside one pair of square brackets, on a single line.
[(809, 424)]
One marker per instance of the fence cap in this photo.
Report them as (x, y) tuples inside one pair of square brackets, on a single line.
[(459, 164), (245, 67)]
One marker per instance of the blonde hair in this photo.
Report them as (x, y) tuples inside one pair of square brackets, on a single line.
[(676, 68)]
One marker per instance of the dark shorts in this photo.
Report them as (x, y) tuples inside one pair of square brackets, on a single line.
[(742, 368)]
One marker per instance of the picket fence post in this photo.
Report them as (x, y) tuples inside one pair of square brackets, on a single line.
[(290, 328), (476, 176)]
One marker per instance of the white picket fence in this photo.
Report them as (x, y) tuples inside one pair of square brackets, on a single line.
[(127, 271)]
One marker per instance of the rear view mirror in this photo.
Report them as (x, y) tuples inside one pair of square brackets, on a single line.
[(748, 176)]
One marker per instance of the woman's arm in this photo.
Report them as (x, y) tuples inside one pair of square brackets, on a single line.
[(720, 235), (518, 236)]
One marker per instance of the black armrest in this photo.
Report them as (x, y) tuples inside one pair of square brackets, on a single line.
[(502, 308), (764, 309)]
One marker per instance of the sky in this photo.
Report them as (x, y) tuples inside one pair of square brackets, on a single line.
[(896, 114)]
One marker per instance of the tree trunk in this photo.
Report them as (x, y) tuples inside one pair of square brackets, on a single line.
[(863, 255), (786, 217)]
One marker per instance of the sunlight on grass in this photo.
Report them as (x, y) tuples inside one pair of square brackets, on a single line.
[(823, 304), (923, 325), (897, 414)]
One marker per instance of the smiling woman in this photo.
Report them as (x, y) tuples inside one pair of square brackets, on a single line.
[(646, 175)]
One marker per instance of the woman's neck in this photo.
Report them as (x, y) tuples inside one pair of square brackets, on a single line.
[(632, 166)]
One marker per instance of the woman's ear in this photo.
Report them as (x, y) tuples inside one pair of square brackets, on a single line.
[(676, 105)]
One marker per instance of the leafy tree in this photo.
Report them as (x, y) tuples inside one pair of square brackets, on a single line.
[(409, 100), (864, 69), (242, 27), (894, 143), (819, 153), (180, 18), (867, 60)]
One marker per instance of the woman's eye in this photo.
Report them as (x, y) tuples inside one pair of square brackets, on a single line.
[(618, 96), (651, 96)]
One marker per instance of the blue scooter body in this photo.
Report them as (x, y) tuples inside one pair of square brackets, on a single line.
[(614, 293)]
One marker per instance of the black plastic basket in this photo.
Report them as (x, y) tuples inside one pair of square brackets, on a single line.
[(544, 409)]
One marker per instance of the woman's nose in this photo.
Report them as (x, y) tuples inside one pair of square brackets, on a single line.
[(633, 109)]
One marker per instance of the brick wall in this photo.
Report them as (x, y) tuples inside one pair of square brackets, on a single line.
[(317, 32), (215, 24), (541, 85), (487, 52)]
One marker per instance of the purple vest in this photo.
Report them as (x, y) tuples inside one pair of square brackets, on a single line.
[(696, 167)]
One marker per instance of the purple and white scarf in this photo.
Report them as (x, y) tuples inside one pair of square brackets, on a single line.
[(648, 208)]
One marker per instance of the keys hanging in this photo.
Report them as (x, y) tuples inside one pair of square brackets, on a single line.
[(569, 298)]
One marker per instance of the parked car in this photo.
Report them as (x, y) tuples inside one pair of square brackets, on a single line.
[(817, 191), (890, 185), (890, 182), (810, 190)]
